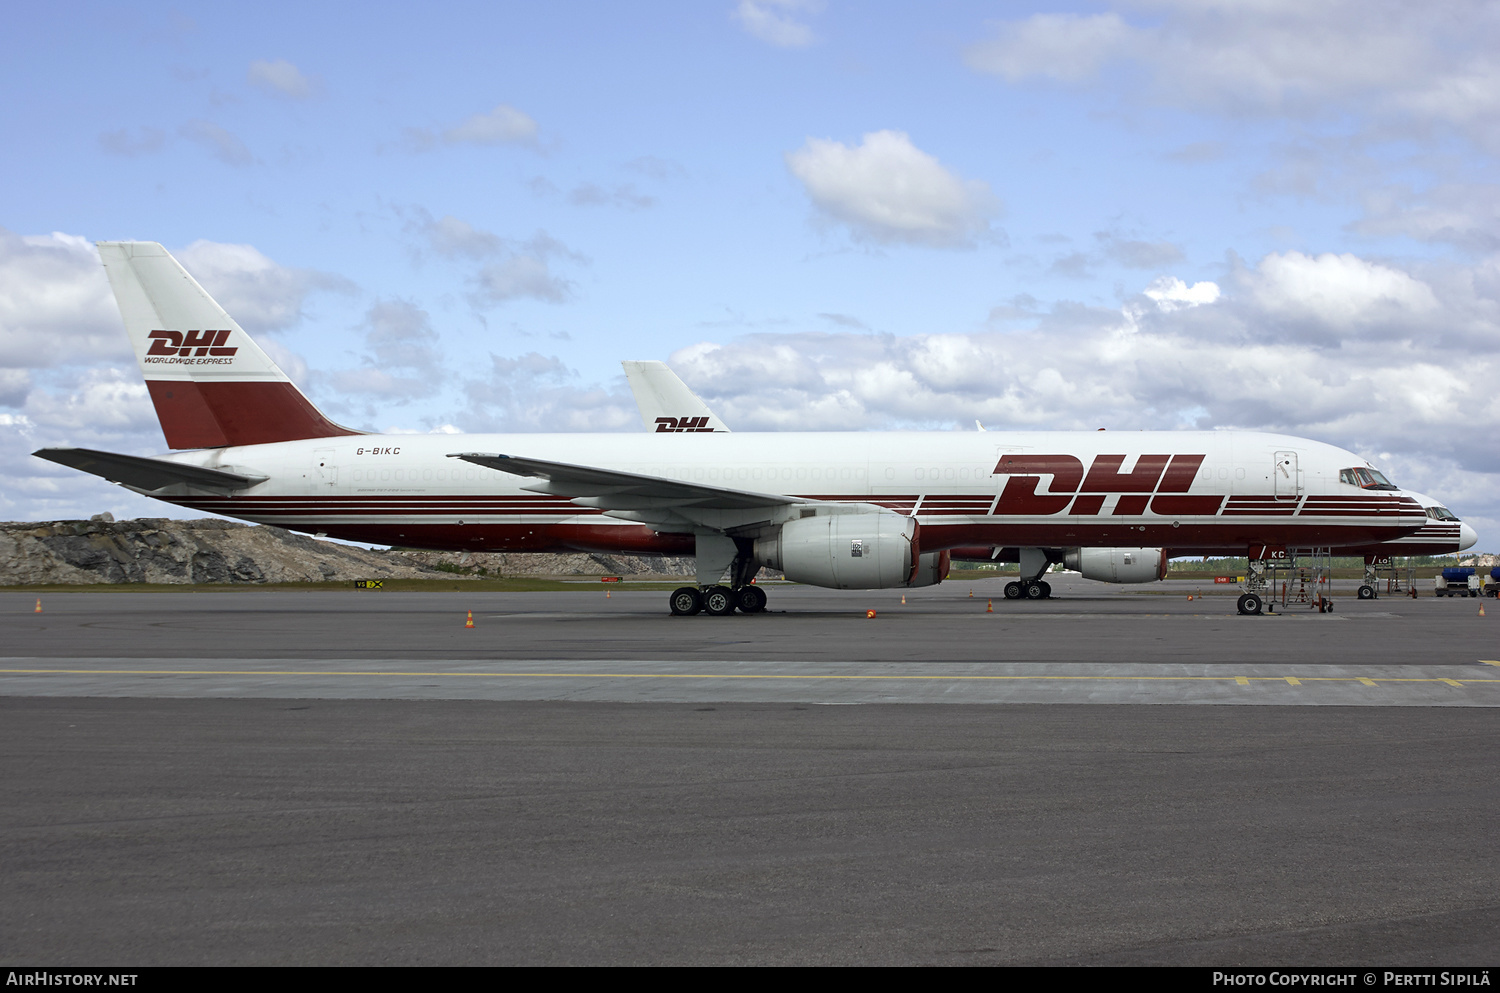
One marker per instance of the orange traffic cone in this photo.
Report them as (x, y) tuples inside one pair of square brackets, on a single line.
[(989, 606), (606, 594), (903, 600), (971, 594), (39, 606), (1481, 608), (470, 622), (869, 614)]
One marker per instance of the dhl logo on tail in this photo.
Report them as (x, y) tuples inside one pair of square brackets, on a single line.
[(194, 343), (670, 425)]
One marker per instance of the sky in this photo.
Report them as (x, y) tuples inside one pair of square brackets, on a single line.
[(1268, 214)]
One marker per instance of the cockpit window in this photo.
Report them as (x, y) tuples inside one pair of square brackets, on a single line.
[(1441, 514), (1366, 479)]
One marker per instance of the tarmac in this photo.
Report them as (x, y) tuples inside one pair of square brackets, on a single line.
[(1118, 775)]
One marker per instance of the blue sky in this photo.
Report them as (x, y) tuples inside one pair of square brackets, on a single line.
[(858, 216)]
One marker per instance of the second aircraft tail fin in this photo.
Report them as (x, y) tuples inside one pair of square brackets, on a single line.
[(665, 402)]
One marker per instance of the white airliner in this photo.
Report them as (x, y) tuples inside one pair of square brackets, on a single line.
[(842, 510), (665, 401)]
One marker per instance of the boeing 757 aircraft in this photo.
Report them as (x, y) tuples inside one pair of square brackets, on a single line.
[(870, 510), (666, 404)]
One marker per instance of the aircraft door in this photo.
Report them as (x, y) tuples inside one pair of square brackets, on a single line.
[(1286, 478)]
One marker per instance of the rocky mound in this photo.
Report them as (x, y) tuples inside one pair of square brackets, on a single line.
[(158, 550)]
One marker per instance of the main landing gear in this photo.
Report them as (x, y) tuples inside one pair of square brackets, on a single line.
[(1037, 589), (720, 601), (1031, 586)]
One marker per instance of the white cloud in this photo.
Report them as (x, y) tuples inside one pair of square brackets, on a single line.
[(535, 392), (280, 77), (106, 400), (258, 293), (122, 142), (1384, 58), (1070, 48), (621, 195), (1136, 254), (1463, 214), (887, 190), (55, 303), (1341, 292), (403, 360), (519, 277), (1171, 293), (526, 273), (777, 21), (221, 144), (454, 238), (505, 124)]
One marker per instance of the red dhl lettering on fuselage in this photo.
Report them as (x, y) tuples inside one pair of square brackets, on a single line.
[(1160, 482)]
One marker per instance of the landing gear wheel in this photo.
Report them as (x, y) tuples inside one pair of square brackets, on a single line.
[(1046, 589), (686, 601), (1367, 592), (1035, 591), (718, 601), (1249, 603), (1013, 591), (750, 599)]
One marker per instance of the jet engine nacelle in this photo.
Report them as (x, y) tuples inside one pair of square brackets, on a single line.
[(932, 568), (1118, 565), (852, 552)]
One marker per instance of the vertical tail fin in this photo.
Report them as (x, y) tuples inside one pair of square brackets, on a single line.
[(665, 402), (211, 384)]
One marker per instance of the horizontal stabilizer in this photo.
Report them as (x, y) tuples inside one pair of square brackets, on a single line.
[(145, 473)]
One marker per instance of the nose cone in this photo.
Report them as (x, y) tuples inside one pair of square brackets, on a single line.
[(1466, 536)]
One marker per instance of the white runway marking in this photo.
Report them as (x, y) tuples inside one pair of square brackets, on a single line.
[(767, 681)]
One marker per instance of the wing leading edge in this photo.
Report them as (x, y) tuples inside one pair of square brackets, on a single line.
[(665, 504)]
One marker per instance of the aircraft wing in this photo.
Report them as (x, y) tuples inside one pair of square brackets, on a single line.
[(145, 473), (610, 489)]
